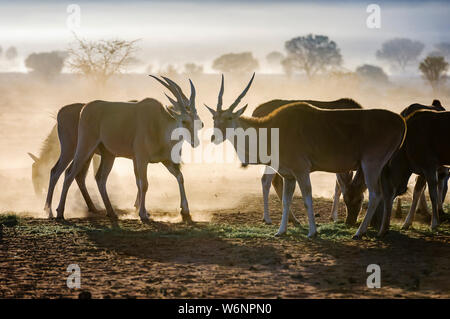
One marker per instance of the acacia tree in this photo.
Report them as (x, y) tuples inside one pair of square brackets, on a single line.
[(433, 69), (101, 59), (236, 63), (400, 51), (311, 54), (45, 64)]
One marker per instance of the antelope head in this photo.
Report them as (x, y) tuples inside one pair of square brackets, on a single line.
[(228, 118), (182, 109)]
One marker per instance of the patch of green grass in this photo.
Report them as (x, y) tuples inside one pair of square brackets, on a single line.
[(330, 231), (9, 219), (326, 232), (53, 229), (336, 231)]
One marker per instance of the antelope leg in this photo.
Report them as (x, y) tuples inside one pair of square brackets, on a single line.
[(174, 169), (335, 207), (266, 181), (101, 177), (288, 192)]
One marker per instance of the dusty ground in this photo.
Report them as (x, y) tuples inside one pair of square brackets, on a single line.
[(234, 255)]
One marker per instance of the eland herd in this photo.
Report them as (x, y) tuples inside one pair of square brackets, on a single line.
[(383, 147)]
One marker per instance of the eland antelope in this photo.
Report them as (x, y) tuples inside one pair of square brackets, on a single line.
[(139, 131), (60, 154), (270, 177), (422, 154), (313, 139)]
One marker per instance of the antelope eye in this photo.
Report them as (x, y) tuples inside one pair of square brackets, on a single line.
[(184, 122)]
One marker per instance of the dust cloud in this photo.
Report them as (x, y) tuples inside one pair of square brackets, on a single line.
[(27, 115)]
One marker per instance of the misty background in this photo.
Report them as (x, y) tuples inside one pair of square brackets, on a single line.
[(198, 31)]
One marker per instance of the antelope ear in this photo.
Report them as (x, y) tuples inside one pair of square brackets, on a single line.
[(210, 110), (240, 111), (173, 114), (33, 157)]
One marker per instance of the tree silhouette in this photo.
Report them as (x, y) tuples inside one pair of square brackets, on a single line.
[(433, 69), (312, 54), (274, 57), (400, 51), (45, 64), (192, 69), (170, 71), (372, 73), (101, 59), (11, 53), (236, 63)]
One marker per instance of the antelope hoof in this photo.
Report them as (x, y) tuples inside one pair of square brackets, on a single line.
[(357, 236), (145, 218), (187, 219), (406, 226), (267, 221), (312, 235), (280, 233), (50, 214), (94, 211)]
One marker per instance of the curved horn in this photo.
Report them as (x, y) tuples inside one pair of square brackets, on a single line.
[(163, 83), (172, 89), (177, 87), (219, 99), (239, 98), (173, 102), (192, 98), (176, 91)]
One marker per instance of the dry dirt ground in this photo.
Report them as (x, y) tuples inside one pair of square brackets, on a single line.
[(233, 256)]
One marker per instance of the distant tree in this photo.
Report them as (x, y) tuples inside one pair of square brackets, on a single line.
[(400, 51), (45, 64), (11, 53), (288, 65), (170, 71), (433, 69), (101, 59), (443, 48), (312, 54), (193, 69), (274, 57), (372, 73), (236, 63)]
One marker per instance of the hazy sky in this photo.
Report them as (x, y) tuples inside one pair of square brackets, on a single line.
[(199, 31)]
